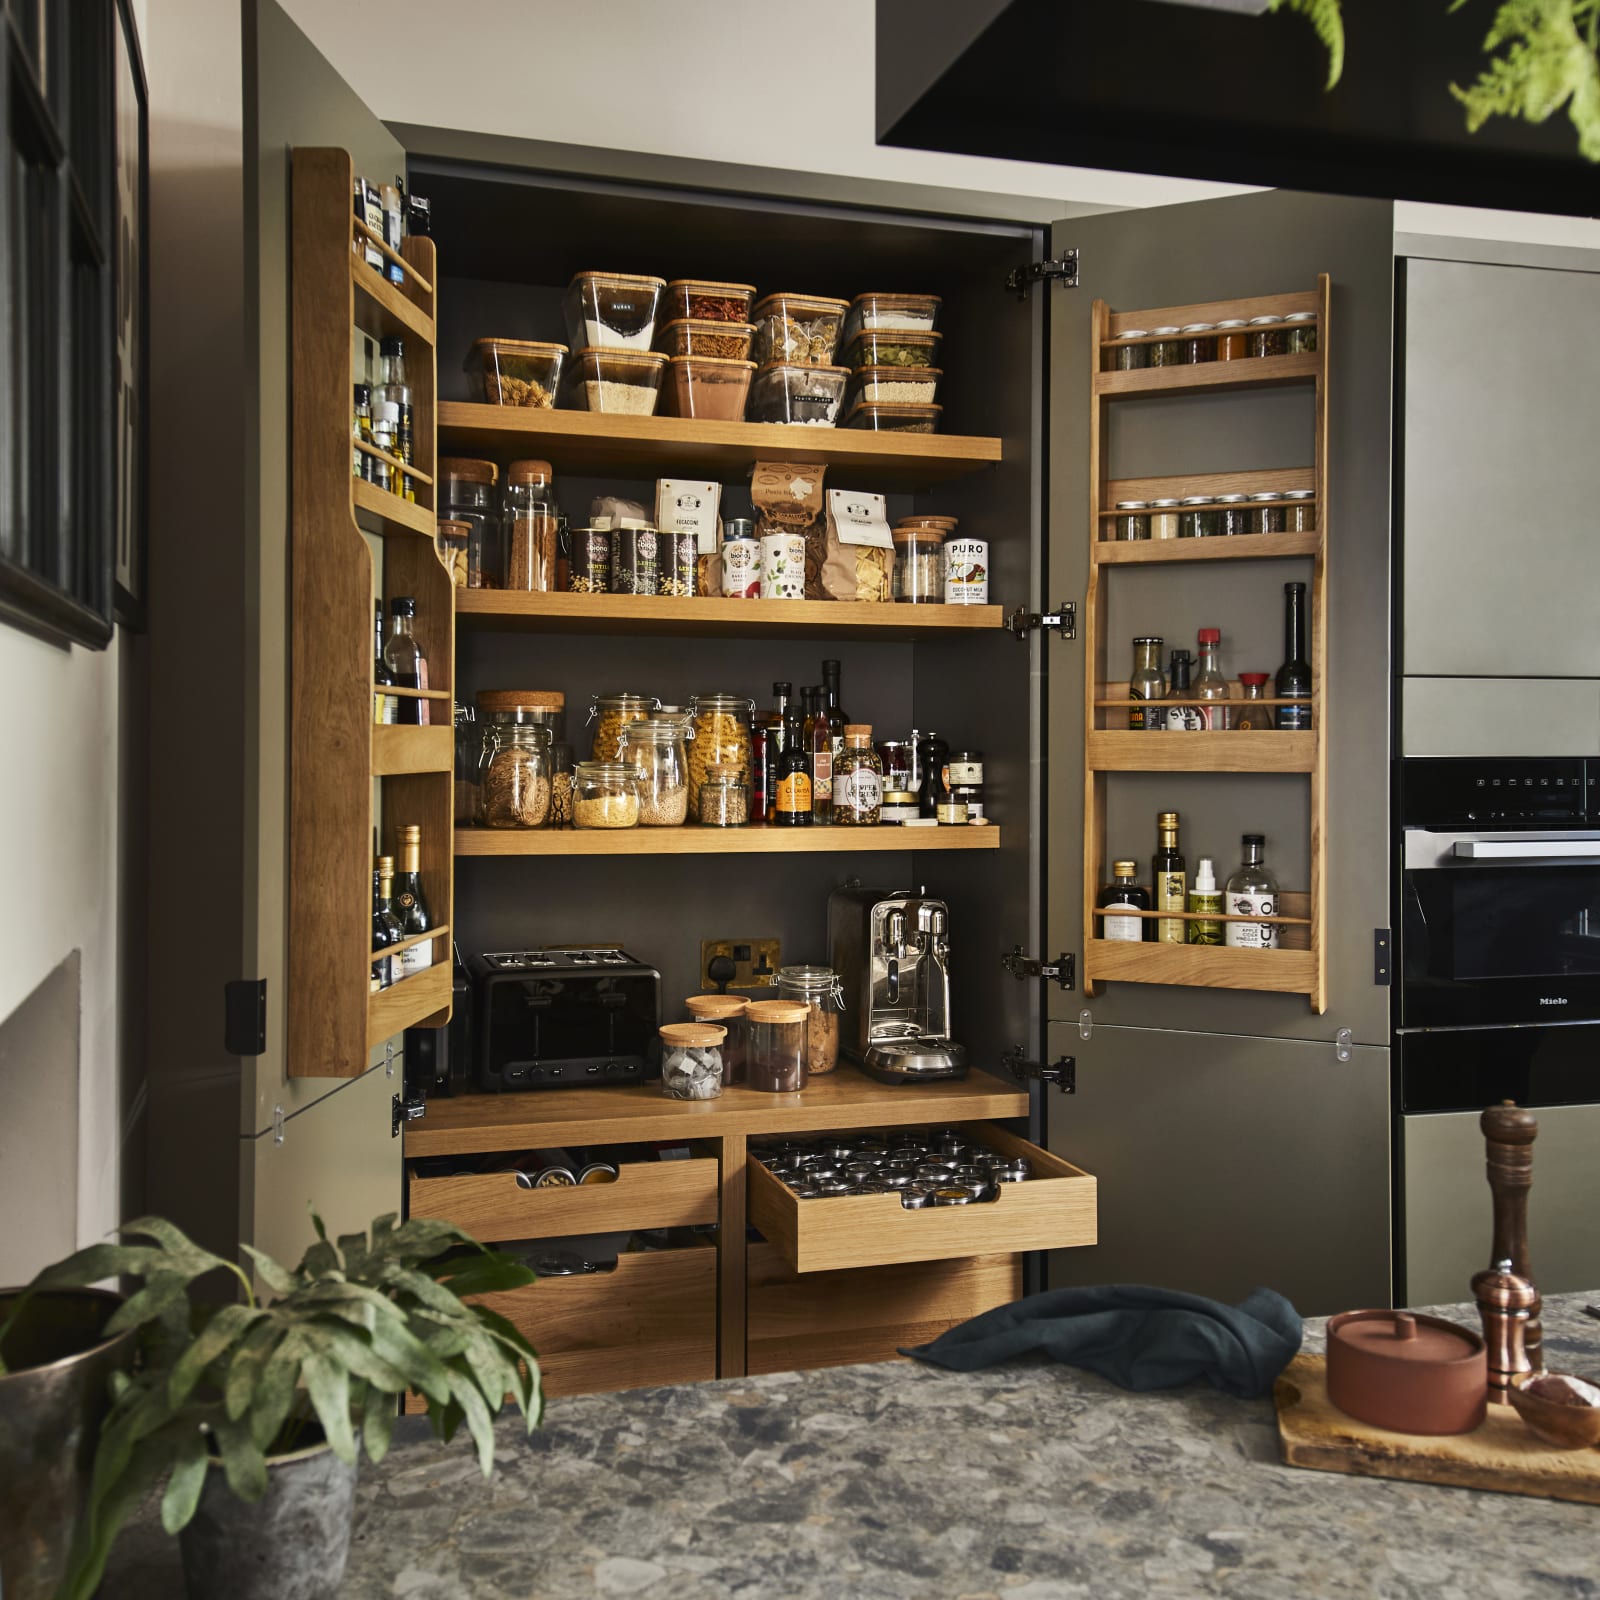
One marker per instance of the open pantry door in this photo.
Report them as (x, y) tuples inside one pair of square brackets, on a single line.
[(1290, 419)]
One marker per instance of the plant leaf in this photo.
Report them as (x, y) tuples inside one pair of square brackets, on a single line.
[(328, 1384), (159, 1296), (1327, 21), (244, 1371), (277, 1278), (479, 1421), (187, 1480), (489, 1273), (319, 1261), (243, 1460), (377, 1423), (274, 1391), (226, 1325)]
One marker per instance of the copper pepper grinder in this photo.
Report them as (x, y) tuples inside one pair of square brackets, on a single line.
[(1508, 1299)]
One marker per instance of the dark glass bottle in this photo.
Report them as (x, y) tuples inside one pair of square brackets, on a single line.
[(764, 803), (1170, 877), (820, 747), (932, 754), (385, 925), (1179, 716), (837, 719), (794, 774), (411, 904), (385, 708), (1124, 891), (1294, 676), (404, 658)]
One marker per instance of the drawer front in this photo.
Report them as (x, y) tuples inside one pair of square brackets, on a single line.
[(647, 1194), (1055, 1209), (832, 1319)]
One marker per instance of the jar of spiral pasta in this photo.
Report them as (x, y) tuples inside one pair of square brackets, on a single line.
[(721, 736), (610, 714)]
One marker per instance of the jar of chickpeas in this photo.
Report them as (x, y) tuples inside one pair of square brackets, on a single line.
[(610, 714), (721, 729)]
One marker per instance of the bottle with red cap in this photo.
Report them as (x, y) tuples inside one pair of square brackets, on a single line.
[(1209, 683)]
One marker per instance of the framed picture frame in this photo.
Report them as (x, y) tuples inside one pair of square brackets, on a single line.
[(130, 320)]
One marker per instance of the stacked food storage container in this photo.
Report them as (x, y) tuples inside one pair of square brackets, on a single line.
[(892, 351)]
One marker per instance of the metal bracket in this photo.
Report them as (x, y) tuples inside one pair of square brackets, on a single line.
[(1063, 620), (1343, 1044), (403, 1111), (1063, 1073), (1062, 270), (1086, 1024), (1381, 956), (244, 1016), (1062, 971), (278, 1121), (388, 1058)]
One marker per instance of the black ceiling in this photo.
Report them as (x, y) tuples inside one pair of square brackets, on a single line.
[(1180, 91)]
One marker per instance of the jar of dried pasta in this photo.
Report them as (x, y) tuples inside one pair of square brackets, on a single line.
[(819, 989), (561, 769), (726, 1011), (721, 735), (656, 751), (610, 714)]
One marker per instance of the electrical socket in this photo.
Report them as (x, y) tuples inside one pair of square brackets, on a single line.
[(755, 961)]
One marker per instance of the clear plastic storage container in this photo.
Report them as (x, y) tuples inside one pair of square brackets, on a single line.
[(707, 387), (895, 419), (692, 336), (785, 392), (516, 372), (622, 382), (703, 300), (918, 313), (885, 347), (605, 794), (800, 329), (611, 311), (894, 386)]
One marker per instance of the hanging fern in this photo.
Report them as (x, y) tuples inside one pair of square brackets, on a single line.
[(1549, 61), (1328, 22)]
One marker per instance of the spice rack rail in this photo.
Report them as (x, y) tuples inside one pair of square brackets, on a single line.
[(601, 445), (696, 840), (715, 617), (1299, 966), (351, 541)]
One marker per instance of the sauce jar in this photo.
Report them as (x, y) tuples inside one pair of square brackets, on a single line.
[(898, 764), (821, 993), (776, 1061), (691, 1060), (611, 713), (727, 1011), (1253, 686)]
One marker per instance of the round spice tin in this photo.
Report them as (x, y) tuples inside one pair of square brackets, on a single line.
[(951, 1196)]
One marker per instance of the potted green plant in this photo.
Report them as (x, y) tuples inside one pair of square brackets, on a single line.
[(254, 1411)]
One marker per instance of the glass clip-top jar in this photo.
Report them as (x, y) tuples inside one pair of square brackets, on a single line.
[(656, 751), (823, 995), (516, 775), (605, 794), (611, 713), (721, 735), (724, 797)]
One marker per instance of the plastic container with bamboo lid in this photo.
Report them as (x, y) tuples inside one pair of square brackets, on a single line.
[(516, 372), (623, 382), (700, 336), (726, 1011), (707, 387), (895, 386), (916, 312), (612, 311), (801, 329), (776, 1062), (691, 1060), (707, 301), (894, 419)]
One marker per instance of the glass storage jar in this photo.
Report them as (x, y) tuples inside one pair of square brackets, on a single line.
[(1167, 351), (858, 780), (1233, 516), (1163, 519), (726, 1011), (1301, 334), (1233, 344), (611, 713), (532, 519), (776, 1062), (560, 785), (918, 564), (1199, 342), (691, 1060), (721, 735), (655, 750), (451, 540), (547, 708), (724, 797), (1267, 336), (466, 494), (467, 745), (1266, 517), (1126, 353), (516, 775), (605, 794), (1197, 517), (1300, 515), (1132, 520), (819, 989)]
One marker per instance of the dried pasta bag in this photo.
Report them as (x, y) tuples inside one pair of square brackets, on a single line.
[(859, 560), (787, 497)]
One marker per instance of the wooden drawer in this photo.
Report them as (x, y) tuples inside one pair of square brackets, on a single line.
[(831, 1319), (647, 1194), (1054, 1209)]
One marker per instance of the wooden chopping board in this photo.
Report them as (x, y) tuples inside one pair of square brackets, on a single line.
[(1501, 1455)]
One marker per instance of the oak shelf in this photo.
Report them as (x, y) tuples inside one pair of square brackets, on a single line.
[(694, 840), (382, 310), (399, 747), (1206, 966), (416, 938), (1209, 377), (1240, 547), (423, 998), (603, 445), (388, 515), (1206, 750), (713, 617)]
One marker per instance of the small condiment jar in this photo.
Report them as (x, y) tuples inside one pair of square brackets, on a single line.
[(1197, 517), (1300, 515), (1302, 332), (1233, 517), (1163, 519), (1127, 353), (1252, 686), (1168, 351), (917, 1198), (951, 1195), (1232, 342), (1265, 516), (1199, 343), (1267, 337), (1131, 521)]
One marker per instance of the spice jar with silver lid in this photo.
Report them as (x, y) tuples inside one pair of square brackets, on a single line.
[(1128, 352), (1197, 517), (1300, 515), (1131, 521), (1302, 332), (1265, 515), (1267, 337), (1233, 344), (1167, 351), (1233, 515), (1199, 342), (1163, 520)]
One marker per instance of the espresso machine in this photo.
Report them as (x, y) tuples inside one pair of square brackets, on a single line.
[(890, 949)]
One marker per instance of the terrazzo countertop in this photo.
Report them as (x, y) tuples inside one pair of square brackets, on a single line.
[(1031, 1482)]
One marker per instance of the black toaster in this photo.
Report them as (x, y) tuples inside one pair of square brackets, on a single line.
[(564, 1018)]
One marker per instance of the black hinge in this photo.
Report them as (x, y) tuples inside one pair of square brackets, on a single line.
[(1063, 970), (1063, 1073), (403, 1111), (244, 1017), (1064, 620), (1062, 270), (1382, 950)]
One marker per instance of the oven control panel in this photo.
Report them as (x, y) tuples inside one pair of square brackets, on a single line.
[(1537, 792)]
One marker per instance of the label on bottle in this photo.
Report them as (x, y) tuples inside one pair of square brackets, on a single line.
[(1214, 716), (416, 958), (1184, 719), (1125, 930), (1296, 719), (794, 793), (1171, 891), (858, 793), (963, 772), (822, 774), (1252, 935), (1139, 717), (1205, 932), (951, 811)]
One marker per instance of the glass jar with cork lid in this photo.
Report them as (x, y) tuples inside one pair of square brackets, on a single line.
[(467, 494), (532, 520), (726, 1011), (499, 712), (516, 775), (776, 1063)]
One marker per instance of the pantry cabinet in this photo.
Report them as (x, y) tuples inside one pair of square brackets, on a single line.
[(1015, 462)]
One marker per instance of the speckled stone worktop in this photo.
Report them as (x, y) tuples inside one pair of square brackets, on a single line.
[(1031, 1482)]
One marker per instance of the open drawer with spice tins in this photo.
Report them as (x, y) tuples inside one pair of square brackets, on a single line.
[(1052, 1208), (520, 1201), (831, 1319)]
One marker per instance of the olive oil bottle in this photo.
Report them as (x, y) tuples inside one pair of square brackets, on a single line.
[(1169, 877)]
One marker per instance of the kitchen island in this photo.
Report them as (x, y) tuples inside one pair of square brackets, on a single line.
[(1030, 1482)]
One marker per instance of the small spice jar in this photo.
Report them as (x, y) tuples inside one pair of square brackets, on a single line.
[(451, 538), (656, 751), (1302, 332), (561, 770), (724, 797), (691, 1060), (516, 775), (858, 780), (1132, 520), (1267, 337), (589, 559), (611, 713), (1127, 353), (776, 1061), (1233, 344), (1199, 342), (635, 559), (1233, 515), (1197, 517), (918, 563), (964, 778), (1252, 686), (1163, 519), (897, 762), (532, 520), (605, 795), (726, 1011), (466, 494), (1300, 515), (1266, 517), (1167, 351), (818, 988)]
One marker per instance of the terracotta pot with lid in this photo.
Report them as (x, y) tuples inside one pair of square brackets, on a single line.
[(1407, 1372)]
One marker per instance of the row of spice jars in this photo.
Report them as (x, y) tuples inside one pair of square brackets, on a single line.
[(1233, 339), (1212, 516), (934, 565)]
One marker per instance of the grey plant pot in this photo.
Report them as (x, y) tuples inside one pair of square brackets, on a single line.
[(292, 1544), (51, 1408)]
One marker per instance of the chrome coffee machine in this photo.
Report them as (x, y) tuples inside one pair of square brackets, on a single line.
[(891, 951)]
